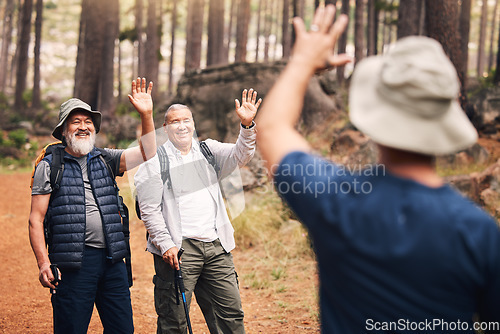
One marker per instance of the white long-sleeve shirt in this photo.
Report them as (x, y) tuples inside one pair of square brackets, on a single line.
[(160, 206)]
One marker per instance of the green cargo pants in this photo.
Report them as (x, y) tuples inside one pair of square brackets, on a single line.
[(208, 271)]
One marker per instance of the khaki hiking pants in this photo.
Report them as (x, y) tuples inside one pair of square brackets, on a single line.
[(208, 271)]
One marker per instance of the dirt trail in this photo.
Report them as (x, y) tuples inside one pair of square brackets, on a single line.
[(25, 304)]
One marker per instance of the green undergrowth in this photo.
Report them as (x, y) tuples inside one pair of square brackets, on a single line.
[(466, 169), (267, 222)]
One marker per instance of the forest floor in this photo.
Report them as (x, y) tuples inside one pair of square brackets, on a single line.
[(25, 305)]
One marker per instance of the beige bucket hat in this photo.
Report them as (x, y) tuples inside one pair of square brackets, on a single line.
[(407, 99), (66, 109)]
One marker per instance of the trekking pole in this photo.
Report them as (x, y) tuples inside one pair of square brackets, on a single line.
[(55, 273), (180, 282)]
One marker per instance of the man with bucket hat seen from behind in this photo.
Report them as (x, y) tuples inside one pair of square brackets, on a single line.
[(398, 250), (86, 239)]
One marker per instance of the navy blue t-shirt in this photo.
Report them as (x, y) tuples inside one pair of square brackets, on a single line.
[(393, 255)]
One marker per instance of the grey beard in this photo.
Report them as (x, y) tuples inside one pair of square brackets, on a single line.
[(81, 147)]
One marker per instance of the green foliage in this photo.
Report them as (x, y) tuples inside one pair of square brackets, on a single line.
[(467, 169), (281, 289), (17, 138), (128, 34), (4, 103), (266, 217), (124, 143), (27, 97), (278, 273), (122, 109), (487, 81), (385, 5), (50, 5), (16, 151)]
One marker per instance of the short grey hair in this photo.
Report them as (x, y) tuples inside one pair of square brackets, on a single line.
[(176, 106)]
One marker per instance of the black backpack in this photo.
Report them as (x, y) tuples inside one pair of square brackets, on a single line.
[(56, 173), (165, 168)]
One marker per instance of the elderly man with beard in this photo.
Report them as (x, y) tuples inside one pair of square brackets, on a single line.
[(86, 235)]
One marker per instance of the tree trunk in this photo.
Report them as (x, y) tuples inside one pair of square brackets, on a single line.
[(409, 18), (94, 67), (36, 103), (119, 74), (285, 30), (267, 28), (6, 41), (298, 11), (194, 33), (259, 12), (464, 29), (496, 78), (234, 5), (482, 38), (359, 31), (15, 59), (377, 27), (422, 31), (441, 22), (139, 26), (23, 46), (242, 31), (390, 22), (172, 48), (342, 43), (152, 45), (371, 46), (492, 37), (215, 47), (106, 102), (275, 27)]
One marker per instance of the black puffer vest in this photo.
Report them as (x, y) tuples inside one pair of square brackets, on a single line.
[(67, 218)]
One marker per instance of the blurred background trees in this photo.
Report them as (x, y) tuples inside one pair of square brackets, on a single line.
[(115, 41)]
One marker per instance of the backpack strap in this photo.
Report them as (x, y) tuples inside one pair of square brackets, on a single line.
[(164, 166), (209, 156), (56, 166), (109, 161)]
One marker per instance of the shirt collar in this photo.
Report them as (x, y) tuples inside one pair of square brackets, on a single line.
[(195, 147)]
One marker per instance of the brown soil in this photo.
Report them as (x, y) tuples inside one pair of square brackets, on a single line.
[(25, 305)]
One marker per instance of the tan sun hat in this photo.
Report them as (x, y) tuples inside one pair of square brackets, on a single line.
[(407, 99), (66, 109)]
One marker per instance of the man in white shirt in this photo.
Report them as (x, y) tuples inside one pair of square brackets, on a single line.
[(188, 211)]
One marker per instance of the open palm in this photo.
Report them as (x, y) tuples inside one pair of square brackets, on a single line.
[(141, 96), (248, 108)]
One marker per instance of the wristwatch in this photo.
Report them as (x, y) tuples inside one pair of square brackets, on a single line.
[(248, 126)]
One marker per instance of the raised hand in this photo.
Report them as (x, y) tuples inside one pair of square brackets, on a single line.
[(248, 108), (313, 50), (141, 97)]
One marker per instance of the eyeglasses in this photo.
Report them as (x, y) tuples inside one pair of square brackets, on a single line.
[(186, 121)]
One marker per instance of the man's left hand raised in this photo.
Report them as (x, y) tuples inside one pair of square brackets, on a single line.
[(141, 96), (248, 108)]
